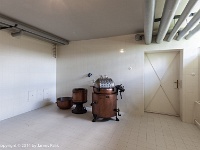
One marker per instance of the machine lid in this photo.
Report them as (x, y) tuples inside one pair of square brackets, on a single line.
[(104, 82)]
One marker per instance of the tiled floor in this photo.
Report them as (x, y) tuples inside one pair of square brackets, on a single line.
[(62, 130)]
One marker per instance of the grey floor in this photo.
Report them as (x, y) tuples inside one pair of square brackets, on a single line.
[(55, 129)]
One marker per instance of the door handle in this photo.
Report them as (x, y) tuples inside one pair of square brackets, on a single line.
[(176, 84)]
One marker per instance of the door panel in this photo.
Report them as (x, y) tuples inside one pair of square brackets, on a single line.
[(152, 82), (161, 93), (160, 104)]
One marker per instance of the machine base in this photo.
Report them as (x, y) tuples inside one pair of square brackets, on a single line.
[(95, 117), (79, 109)]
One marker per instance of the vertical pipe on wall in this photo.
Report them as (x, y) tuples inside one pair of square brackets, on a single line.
[(190, 5), (167, 16), (190, 25), (149, 12)]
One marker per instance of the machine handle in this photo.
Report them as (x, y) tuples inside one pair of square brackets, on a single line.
[(176, 84), (120, 89), (120, 94), (93, 103), (117, 110)]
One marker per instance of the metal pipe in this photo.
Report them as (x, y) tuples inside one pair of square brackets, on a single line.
[(193, 32), (167, 16), (149, 14), (33, 31), (41, 34), (190, 25), (186, 12)]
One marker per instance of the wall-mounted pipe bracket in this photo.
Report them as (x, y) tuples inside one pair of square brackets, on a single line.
[(54, 50)]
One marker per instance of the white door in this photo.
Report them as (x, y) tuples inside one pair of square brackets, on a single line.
[(161, 87)]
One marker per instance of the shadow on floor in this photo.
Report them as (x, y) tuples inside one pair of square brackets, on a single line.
[(86, 116)]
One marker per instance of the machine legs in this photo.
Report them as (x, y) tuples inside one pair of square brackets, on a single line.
[(94, 118), (117, 114), (79, 109), (116, 118)]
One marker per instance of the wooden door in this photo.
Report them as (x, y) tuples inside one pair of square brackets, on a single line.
[(161, 83)]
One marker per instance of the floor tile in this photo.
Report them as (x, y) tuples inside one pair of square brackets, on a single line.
[(50, 126)]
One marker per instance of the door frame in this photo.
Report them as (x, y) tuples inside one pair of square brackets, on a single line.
[(181, 89)]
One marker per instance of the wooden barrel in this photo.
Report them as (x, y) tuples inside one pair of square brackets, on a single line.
[(79, 95)]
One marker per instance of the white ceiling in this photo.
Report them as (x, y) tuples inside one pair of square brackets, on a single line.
[(82, 19)]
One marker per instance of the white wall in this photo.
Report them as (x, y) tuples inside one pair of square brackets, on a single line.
[(27, 74), (102, 57), (199, 75)]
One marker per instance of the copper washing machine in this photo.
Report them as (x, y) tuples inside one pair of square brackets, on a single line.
[(104, 99)]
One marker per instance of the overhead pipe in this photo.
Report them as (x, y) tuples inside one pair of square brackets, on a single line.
[(30, 30), (167, 16), (149, 13), (190, 25), (4, 21), (42, 34), (193, 32), (186, 12)]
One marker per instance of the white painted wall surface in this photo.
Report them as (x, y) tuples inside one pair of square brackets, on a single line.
[(102, 57), (27, 74), (199, 73), (197, 113)]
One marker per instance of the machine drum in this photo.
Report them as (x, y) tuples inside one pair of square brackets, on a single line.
[(104, 105), (79, 96), (104, 98)]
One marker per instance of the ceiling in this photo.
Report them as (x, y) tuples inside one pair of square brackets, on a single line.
[(82, 19)]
